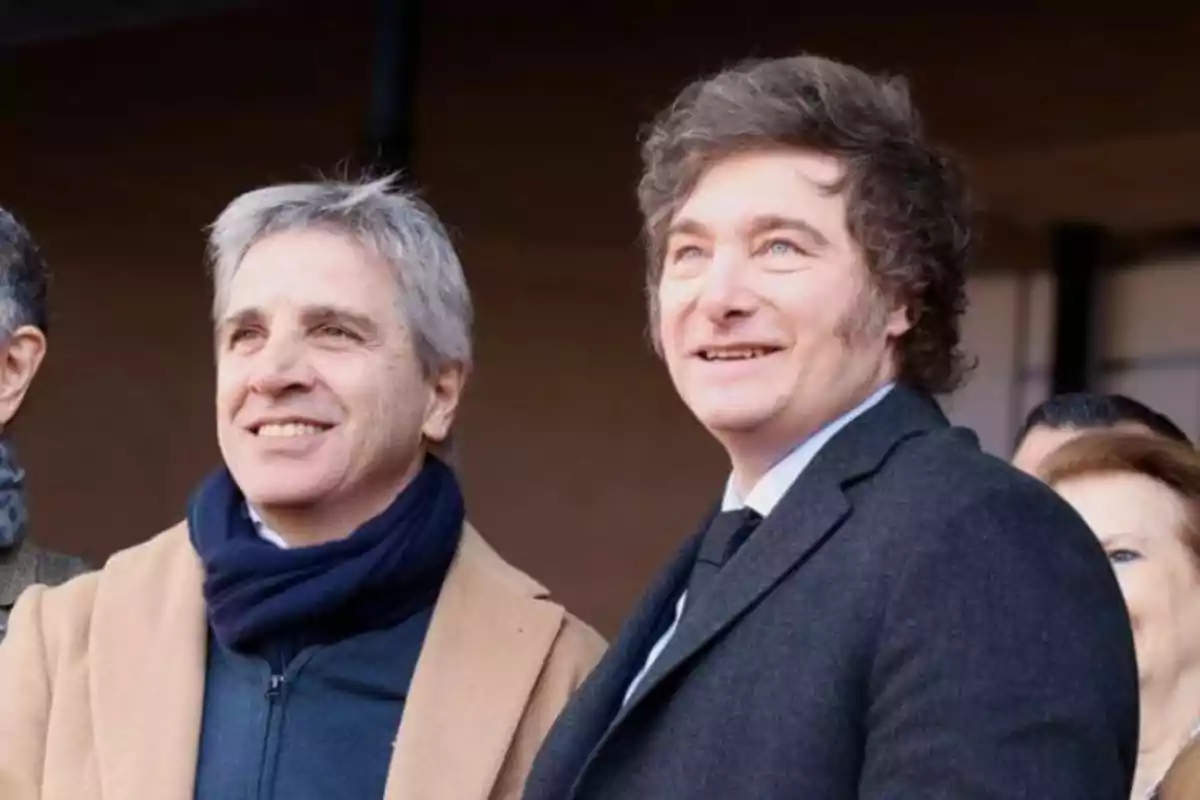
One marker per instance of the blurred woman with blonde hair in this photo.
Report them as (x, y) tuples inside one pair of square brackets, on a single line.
[(1140, 494)]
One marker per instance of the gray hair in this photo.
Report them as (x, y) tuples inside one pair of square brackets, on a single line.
[(24, 278), (390, 222)]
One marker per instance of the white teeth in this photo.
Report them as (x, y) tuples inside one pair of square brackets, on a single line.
[(287, 429), (734, 354)]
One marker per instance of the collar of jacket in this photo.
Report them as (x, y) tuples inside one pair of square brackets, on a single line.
[(18, 569)]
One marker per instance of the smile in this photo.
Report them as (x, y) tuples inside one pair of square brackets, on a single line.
[(288, 430), (737, 353)]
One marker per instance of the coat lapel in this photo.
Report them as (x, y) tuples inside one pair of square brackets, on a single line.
[(148, 644), (488, 641), (812, 510), (771, 553), (490, 636), (586, 719)]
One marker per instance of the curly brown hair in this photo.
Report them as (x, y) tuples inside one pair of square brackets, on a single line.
[(907, 204)]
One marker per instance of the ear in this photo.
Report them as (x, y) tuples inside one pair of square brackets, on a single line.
[(898, 321), (22, 356), (445, 392)]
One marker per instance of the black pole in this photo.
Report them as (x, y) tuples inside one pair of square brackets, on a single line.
[(1077, 250), (392, 113)]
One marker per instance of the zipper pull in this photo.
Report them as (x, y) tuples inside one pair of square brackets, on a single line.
[(275, 687)]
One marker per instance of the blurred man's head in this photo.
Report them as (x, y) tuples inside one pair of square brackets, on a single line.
[(23, 284), (1066, 416)]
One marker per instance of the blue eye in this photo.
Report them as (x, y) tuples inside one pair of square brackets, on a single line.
[(1123, 556), (782, 247)]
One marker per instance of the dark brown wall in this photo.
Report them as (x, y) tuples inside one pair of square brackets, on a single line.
[(117, 152), (578, 460)]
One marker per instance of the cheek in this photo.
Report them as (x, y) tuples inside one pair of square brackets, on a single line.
[(807, 311), (669, 326), (669, 313), (1143, 598), (827, 300), (387, 395), (230, 388)]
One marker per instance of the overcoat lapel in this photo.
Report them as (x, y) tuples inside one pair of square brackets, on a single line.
[(488, 641), (811, 511), (148, 644)]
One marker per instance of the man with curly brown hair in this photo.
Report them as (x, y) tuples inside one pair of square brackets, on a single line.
[(874, 608)]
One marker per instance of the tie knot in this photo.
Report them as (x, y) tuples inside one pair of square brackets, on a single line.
[(727, 532)]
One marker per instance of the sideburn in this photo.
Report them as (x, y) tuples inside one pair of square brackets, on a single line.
[(868, 316)]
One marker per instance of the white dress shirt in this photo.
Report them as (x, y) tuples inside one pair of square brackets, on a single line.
[(763, 498), (264, 532)]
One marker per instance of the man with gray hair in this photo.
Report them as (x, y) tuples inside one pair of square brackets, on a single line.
[(23, 284), (324, 623)]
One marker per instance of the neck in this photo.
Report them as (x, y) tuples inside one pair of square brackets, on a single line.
[(1170, 714), (321, 523), (749, 470), (757, 452)]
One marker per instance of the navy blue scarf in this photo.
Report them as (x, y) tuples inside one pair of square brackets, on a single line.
[(13, 516), (263, 599)]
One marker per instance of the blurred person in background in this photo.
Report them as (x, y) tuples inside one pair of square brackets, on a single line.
[(1140, 494), (1183, 779), (1063, 417), (325, 623), (24, 280)]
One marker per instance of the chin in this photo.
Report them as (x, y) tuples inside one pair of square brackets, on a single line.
[(291, 497), (720, 417), (279, 492), (718, 424)]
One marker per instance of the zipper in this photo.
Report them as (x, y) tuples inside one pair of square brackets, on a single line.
[(266, 777), (276, 694)]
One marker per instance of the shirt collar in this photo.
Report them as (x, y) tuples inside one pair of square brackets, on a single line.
[(771, 488), (264, 532)]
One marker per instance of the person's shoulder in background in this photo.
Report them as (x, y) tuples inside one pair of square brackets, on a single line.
[(53, 568), (1182, 781)]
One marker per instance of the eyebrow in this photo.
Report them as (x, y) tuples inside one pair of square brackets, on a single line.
[(688, 227), (775, 222), (328, 313), (1125, 537), (758, 226), (239, 318), (311, 315)]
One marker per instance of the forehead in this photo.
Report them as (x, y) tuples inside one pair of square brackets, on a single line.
[(1042, 440), (781, 183), (1117, 503), (311, 267)]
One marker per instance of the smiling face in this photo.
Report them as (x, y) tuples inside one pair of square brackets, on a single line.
[(768, 320), (322, 406)]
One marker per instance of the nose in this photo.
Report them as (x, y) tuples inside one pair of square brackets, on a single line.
[(280, 366), (724, 293)]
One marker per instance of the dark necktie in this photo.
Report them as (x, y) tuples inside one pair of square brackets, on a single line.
[(727, 532)]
